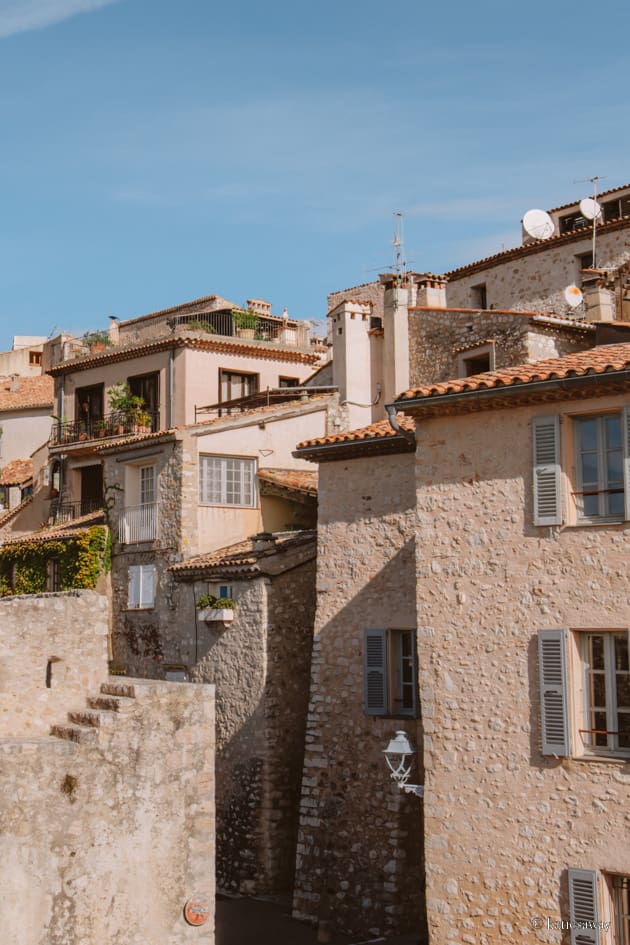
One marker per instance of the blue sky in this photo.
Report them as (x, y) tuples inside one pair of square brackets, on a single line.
[(154, 152)]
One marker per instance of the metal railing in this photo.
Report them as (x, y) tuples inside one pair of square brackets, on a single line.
[(113, 424), (138, 523), (261, 328), (62, 511)]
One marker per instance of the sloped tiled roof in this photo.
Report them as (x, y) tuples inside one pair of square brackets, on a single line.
[(245, 556), (375, 431), (16, 472), (71, 529), (292, 480), (594, 361), (604, 193), (30, 392)]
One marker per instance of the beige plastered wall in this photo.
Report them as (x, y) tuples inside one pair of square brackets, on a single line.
[(503, 822)]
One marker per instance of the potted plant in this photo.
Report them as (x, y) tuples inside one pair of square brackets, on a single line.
[(215, 608), (143, 422), (246, 323), (96, 341), (125, 405), (100, 428)]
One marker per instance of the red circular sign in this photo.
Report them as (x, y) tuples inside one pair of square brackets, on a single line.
[(197, 910)]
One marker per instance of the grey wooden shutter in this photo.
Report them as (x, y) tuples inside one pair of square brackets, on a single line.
[(553, 692), (133, 599), (584, 907), (547, 495), (625, 426), (375, 672), (147, 585)]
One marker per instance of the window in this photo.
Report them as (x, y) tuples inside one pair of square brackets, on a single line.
[(601, 677), (147, 387), (479, 296), (607, 693), (390, 672), (621, 903), (288, 381), (233, 386), (35, 357), (147, 485), (601, 490), (53, 575), (599, 461), (225, 480), (476, 360), (573, 221), (141, 587), (613, 209)]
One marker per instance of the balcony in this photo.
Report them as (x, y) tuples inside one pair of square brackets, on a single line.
[(138, 523), (61, 512), (113, 424)]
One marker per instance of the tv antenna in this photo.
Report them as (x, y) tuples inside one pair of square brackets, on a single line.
[(591, 210), (400, 263)]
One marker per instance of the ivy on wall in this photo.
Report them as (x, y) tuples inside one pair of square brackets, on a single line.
[(80, 560)]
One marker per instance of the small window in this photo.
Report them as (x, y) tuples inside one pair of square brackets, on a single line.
[(142, 578), (600, 468), (390, 672), (35, 358), (479, 296), (226, 480), (53, 575), (476, 360), (234, 386), (572, 222), (288, 381)]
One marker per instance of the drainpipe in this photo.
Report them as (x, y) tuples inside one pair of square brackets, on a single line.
[(171, 389), (393, 422)]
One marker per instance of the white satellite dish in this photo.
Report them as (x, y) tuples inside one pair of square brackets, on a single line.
[(573, 296), (590, 209), (538, 224)]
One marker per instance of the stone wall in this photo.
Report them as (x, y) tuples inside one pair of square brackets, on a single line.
[(47, 659), (105, 841), (438, 338), (536, 280), (359, 863), (503, 822)]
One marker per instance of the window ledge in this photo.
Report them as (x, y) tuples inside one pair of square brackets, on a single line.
[(605, 759)]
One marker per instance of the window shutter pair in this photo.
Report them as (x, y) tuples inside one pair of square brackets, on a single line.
[(584, 907)]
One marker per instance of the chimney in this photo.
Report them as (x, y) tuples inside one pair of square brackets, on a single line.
[(431, 291), (14, 386), (599, 301), (114, 331), (395, 338), (259, 306)]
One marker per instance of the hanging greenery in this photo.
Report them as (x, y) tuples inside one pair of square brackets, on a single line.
[(80, 560)]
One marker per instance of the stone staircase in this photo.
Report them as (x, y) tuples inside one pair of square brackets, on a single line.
[(84, 726)]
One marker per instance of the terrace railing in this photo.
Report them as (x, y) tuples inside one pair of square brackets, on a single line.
[(113, 424), (138, 523)]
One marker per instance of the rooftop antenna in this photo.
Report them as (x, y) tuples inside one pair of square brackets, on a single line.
[(591, 210), (400, 263)]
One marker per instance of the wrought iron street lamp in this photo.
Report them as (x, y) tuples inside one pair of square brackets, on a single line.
[(399, 755)]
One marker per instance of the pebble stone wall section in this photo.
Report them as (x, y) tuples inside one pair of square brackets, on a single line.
[(438, 337), (108, 831), (359, 862), (503, 822)]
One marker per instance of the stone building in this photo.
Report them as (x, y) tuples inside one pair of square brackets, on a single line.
[(496, 545), (257, 655)]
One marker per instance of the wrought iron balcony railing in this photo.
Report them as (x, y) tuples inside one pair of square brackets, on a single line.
[(113, 424), (138, 523), (62, 511)]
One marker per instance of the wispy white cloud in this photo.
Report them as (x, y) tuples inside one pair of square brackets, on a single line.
[(19, 16)]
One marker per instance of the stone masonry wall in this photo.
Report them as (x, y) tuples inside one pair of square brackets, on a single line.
[(537, 281), (437, 338), (47, 657), (358, 864), (503, 822)]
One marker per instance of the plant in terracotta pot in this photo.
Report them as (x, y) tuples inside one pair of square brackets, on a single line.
[(125, 405), (245, 323), (96, 341), (215, 608)]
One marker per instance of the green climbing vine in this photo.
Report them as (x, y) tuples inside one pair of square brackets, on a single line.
[(80, 559)]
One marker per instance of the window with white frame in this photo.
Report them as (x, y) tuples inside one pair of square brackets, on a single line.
[(585, 673), (600, 487), (600, 466), (227, 480), (389, 672), (621, 908), (147, 484), (142, 580)]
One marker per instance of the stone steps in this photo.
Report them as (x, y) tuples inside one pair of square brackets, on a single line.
[(83, 725)]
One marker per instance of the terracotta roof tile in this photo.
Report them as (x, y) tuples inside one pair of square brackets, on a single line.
[(246, 554), (31, 392), (294, 480), (576, 203), (254, 412), (70, 529), (600, 360), (375, 431), (16, 472)]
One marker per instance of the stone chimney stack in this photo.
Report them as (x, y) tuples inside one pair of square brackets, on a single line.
[(353, 359), (114, 330), (395, 337), (431, 290), (259, 306)]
